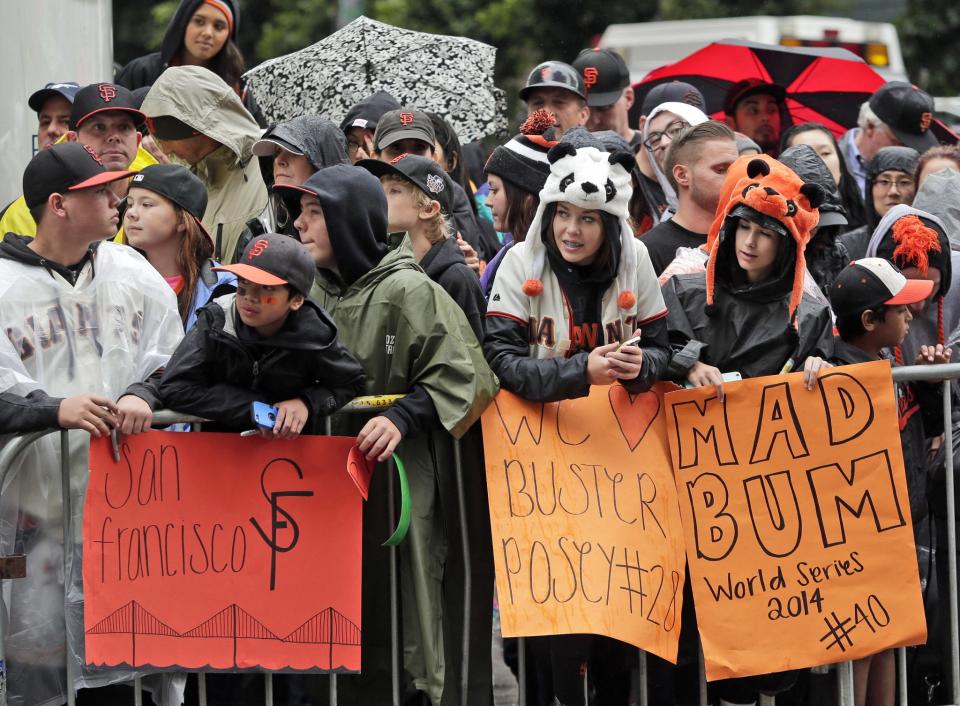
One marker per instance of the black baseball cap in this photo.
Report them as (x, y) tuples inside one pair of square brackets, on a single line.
[(67, 90), (554, 74), (425, 174), (176, 183), (604, 73), (274, 259), (907, 111), (404, 124), (367, 113), (101, 97), (64, 167), (873, 282), (751, 87), (672, 92)]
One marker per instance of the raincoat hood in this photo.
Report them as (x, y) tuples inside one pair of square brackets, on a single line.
[(939, 195), (173, 39), (808, 165), (900, 159), (355, 209), (199, 98), (692, 115), (318, 139), (774, 192)]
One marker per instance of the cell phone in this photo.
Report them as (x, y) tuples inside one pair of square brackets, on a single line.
[(631, 341), (263, 414), (732, 377)]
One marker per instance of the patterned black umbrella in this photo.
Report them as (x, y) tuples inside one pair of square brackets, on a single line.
[(452, 76)]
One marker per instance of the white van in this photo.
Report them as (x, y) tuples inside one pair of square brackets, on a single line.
[(648, 45)]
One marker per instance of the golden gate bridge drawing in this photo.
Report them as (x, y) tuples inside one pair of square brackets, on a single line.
[(328, 627)]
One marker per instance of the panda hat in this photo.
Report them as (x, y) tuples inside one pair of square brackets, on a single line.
[(584, 174)]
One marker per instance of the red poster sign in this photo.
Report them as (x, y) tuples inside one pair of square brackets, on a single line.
[(211, 550)]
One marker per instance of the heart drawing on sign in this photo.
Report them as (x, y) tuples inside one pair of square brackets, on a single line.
[(634, 413)]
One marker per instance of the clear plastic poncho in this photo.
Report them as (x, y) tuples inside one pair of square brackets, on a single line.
[(114, 327)]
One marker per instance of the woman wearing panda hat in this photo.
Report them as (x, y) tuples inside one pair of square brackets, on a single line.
[(562, 302)]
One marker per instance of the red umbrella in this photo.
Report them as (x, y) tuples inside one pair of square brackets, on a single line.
[(824, 85)]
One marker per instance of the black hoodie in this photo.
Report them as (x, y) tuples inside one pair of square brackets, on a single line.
[(444, 264), (222, 366), (144, 70)]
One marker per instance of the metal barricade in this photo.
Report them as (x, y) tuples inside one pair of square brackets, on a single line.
[(11, 568)]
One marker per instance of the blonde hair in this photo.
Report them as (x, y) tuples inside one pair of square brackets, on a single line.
[(437, 228)]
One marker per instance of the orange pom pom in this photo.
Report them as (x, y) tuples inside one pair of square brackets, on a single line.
[(532, 288), (915, 242), (627, 299), (538, 122)]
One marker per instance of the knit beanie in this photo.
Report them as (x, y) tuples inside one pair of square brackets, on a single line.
[(523, 160)]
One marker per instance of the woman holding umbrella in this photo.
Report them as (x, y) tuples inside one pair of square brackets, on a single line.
[(201, 33)]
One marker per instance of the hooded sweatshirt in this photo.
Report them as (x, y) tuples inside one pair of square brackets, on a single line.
[(898, 159), (826, 256), (721, 319), (236, 193), (412, 339), (694, 116), (545, 315), (144, 70), (317, 139), (444, 264), (939, 321)]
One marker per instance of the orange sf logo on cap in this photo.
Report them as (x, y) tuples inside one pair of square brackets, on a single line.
[(406, 118), (108, 92), (925, 120), (590, 76), (399, 157), (93, 154), (258, 248)]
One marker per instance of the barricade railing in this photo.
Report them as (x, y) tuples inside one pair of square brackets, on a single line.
[(943, 374), (14, 567)]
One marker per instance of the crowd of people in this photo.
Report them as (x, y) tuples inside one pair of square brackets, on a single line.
[(171, 250)]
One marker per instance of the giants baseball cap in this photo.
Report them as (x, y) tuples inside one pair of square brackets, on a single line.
[(554, 74), (672, 92), (404, 124), (274, 259), (751, 87), (423, 173), (176, 183), (101, 97), (67, 90), (64, 167), (872, 282), (605, 75), (907, 111)]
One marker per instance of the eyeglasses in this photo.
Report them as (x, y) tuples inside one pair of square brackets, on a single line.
[(671, 131), (352, 147), (901, 184)]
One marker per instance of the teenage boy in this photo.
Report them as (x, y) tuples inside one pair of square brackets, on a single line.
[(266, 342), (84, 320), (696, 167), (105, 118), (871, 299), (412, 340), (410, 131), (418, 199)]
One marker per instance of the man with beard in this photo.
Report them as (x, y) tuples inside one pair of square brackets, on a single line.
[(755, 108), (696, 165)]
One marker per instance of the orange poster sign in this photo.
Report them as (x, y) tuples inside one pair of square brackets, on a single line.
[(586, 527), (212, 550), (797, 520)]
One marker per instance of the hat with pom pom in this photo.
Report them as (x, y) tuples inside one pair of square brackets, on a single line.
[(523, 160)]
